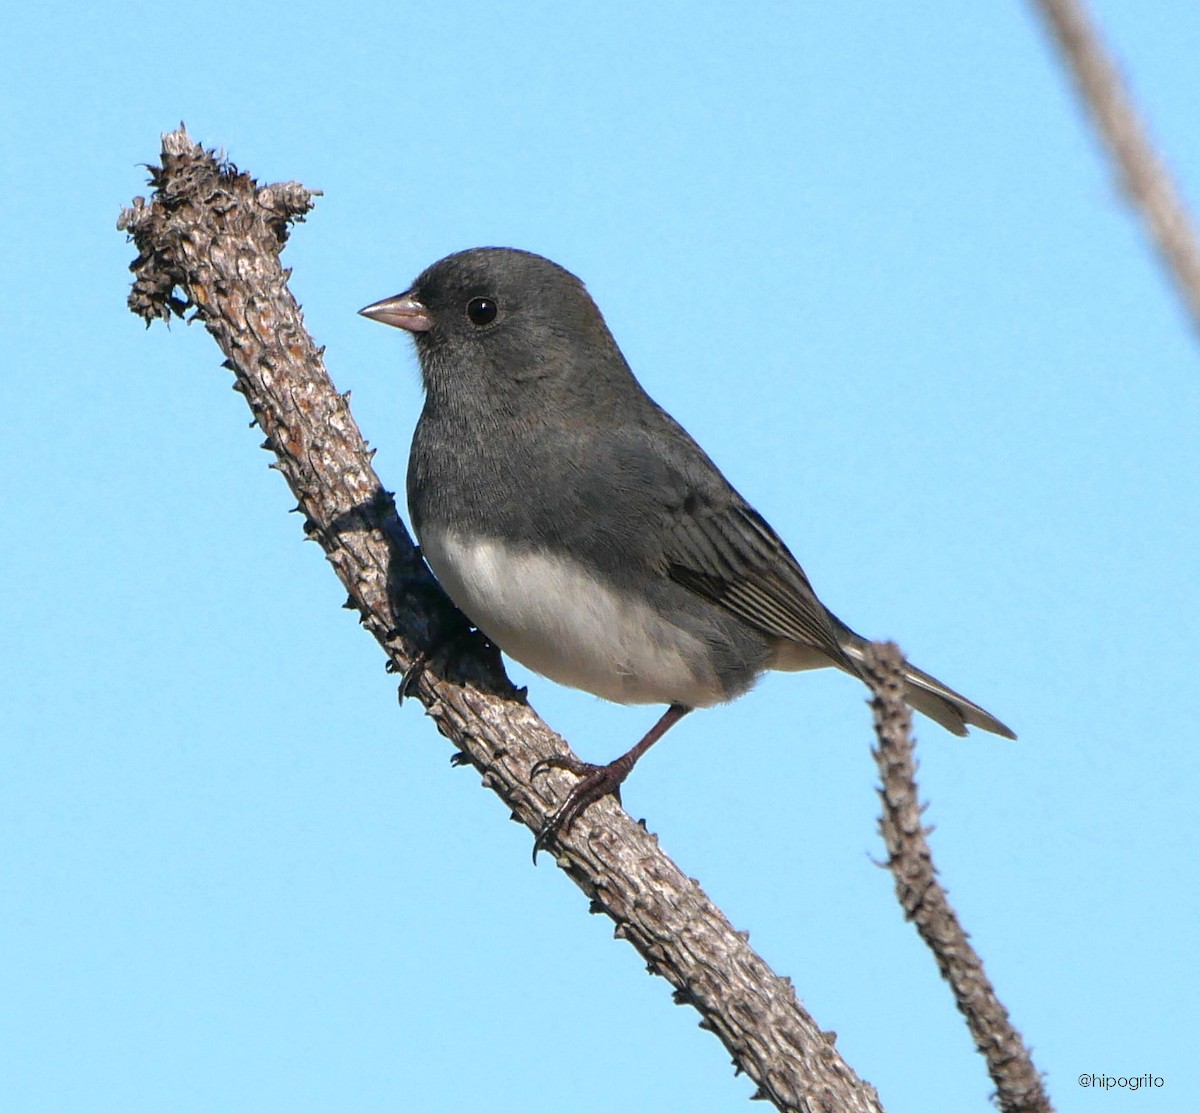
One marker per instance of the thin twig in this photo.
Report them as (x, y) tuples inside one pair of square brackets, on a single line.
[(924, 900), (209, 242), (1144, 177)]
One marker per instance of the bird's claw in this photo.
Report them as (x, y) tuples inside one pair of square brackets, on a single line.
[(449, 645), (595, 782), (569, 762), (411, 675)]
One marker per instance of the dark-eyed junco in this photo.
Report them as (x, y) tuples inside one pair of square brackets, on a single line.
[(582, 529)]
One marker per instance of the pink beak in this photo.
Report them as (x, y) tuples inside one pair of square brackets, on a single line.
[(402, 311)]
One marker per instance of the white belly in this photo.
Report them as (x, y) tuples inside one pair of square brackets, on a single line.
[(555, 618)]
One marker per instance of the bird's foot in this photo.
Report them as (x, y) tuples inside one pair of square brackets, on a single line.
[(595, 782), (459, 641)]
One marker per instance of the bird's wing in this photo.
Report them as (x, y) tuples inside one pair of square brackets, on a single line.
[(723, 549), (704, 535)]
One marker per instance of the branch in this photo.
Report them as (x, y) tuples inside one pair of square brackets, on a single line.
[(1144, 178), (924, 900), (209, 241)]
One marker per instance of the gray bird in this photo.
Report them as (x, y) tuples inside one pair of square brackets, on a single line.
[(580, 527)]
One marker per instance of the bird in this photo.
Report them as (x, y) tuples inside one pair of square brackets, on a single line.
[(582, 530)]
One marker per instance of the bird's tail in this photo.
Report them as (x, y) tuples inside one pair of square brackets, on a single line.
[(929, 696)]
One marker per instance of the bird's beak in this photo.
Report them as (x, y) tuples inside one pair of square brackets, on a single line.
[(402, 311)]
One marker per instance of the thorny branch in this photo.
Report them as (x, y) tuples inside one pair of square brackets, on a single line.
[(924, 900), (1143, 175), (208, 241)]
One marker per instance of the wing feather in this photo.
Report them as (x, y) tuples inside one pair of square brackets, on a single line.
[(731, 556)]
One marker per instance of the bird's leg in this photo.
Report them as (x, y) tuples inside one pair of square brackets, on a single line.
[(596, 780)]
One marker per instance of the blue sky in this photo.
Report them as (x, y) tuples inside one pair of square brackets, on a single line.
[(869, 256)]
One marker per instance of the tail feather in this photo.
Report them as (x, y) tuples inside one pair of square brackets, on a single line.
[(946, 706), (930, 696)]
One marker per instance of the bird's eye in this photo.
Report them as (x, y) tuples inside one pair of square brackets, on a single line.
[(482, 311)]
